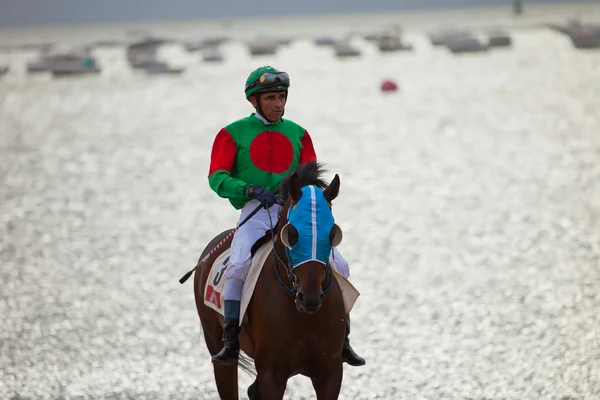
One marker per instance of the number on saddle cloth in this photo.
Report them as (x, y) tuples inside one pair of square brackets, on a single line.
[(215, 283), (219, 275)]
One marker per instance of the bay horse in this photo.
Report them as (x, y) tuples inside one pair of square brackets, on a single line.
[(296, 317)]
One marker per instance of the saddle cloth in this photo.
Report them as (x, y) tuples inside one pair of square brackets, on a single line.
[(215, 284)]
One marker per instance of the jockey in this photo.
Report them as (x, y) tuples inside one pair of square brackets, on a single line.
[(248, 160)]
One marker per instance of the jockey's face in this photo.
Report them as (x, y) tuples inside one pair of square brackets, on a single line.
[(271, 103)]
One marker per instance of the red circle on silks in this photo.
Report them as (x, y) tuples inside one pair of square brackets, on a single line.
[(271, 152)]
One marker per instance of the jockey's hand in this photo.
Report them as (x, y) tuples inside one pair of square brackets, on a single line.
[(264, 196)]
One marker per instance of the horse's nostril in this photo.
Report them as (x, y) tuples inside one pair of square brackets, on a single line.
[(300, 296)]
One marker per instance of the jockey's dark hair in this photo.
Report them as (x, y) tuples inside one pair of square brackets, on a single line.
[(309, 173)]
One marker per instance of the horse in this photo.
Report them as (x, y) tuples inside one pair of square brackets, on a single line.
[(296, 316)]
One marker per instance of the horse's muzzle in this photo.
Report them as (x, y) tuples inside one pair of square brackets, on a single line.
[(309, 304)]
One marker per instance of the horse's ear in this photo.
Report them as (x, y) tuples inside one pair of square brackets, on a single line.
[(335, 235), (295, 189), (333, 189)]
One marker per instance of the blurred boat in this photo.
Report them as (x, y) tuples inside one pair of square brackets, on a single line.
[(160, 68), (147, 63), (586, 38), (214, 40), (145, 44), (73, 63), (440, 38), (324, 41), (392, 43), (372, 37), (39, 65), (143, 53), (153, 66), (499, 39), (582, 35), (64, 60), (344, 49), (465, 44), (74, 70), (262, 47), (142, 59), (284, 41), (43, 61), (194, 45), (212, 54)]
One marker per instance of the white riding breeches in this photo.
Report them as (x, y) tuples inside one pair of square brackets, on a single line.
[(243, 239), (240, 258)]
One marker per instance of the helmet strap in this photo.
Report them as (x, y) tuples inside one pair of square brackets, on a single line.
[(260, 111)]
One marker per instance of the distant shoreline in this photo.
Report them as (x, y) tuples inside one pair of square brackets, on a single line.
[(324, 15), (475, 19)]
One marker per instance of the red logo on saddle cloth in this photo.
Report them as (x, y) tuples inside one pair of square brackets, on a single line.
[(212, 296)]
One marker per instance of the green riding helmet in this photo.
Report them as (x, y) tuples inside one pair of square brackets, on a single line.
[(266, 79)]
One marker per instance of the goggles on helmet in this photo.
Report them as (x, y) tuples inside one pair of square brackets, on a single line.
[(270, 78)]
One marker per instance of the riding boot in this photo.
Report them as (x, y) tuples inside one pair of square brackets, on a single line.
[(348, 354), (231, 345)]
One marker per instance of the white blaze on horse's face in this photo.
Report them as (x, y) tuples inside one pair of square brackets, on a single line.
[(310, 232)]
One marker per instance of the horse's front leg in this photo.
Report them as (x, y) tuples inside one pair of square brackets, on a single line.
[(272, 382), (226, 376), (328, 381)]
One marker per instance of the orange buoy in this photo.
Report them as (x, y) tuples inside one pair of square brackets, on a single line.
[(388, 86)]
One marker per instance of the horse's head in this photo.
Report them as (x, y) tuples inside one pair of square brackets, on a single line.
[(309, 235)]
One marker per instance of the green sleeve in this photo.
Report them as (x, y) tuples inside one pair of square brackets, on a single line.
[(227, 187)]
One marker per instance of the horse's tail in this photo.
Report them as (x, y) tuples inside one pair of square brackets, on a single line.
[(247, 364)]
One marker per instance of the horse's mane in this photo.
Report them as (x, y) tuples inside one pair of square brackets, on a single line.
[(309, 173)]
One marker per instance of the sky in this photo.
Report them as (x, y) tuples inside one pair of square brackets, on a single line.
[(50, 12)]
